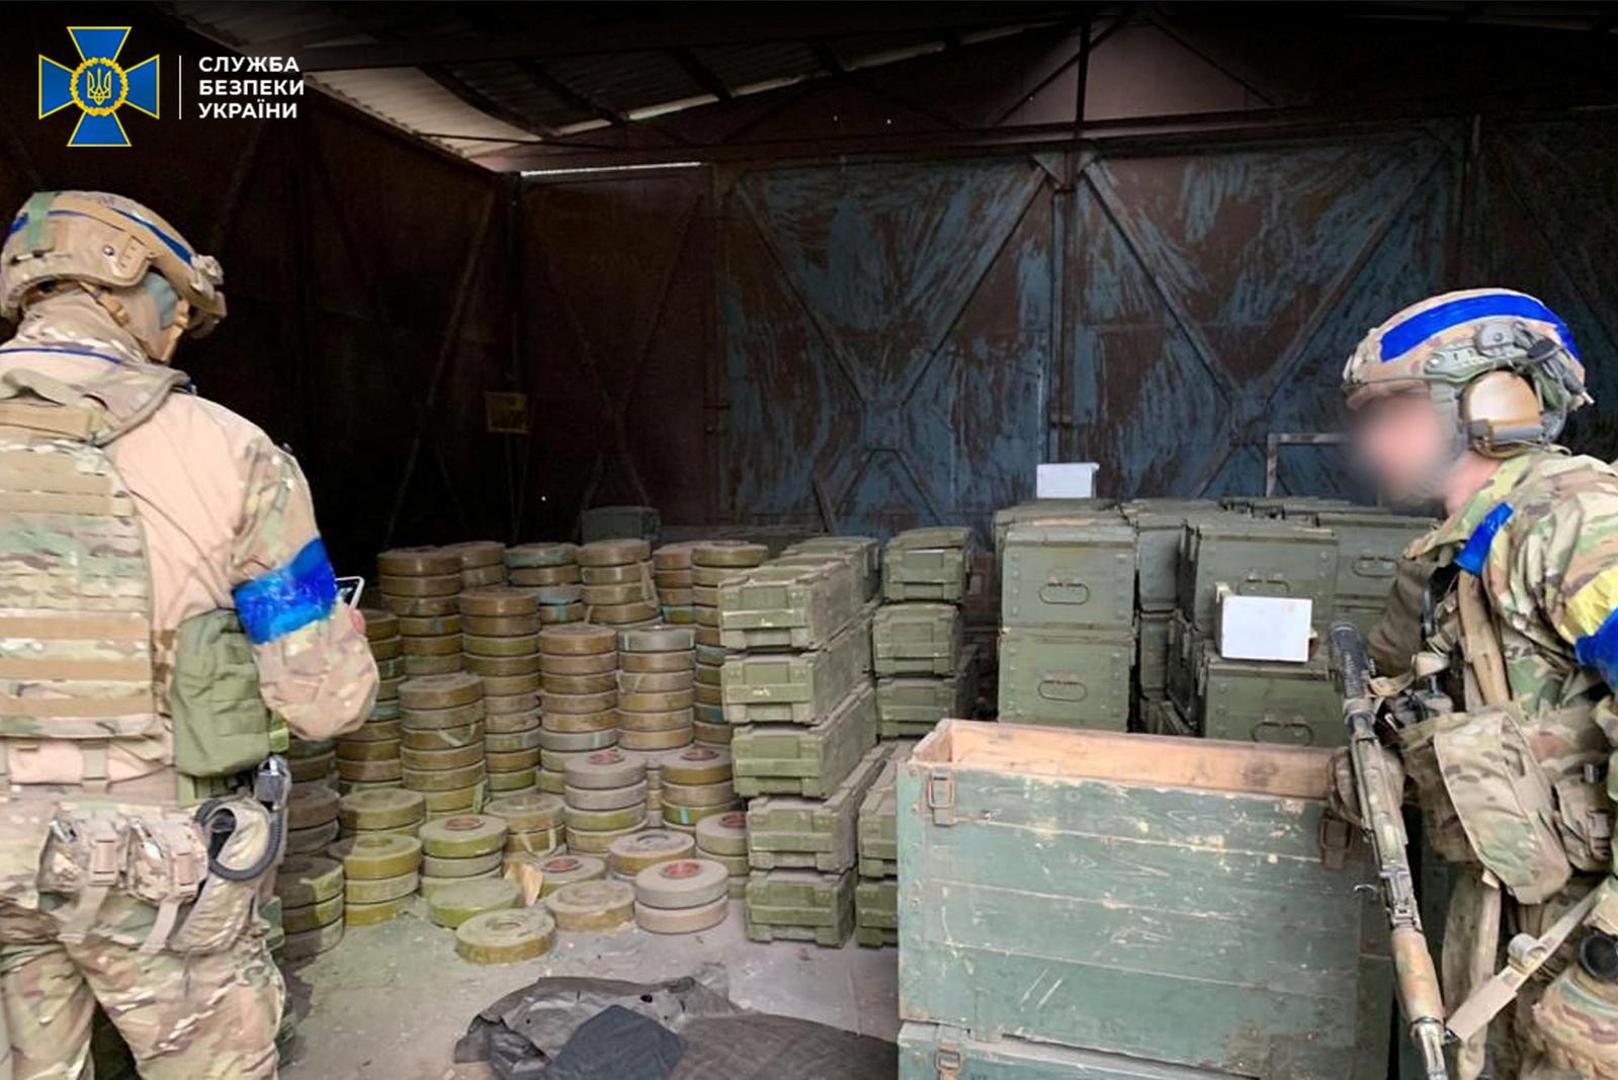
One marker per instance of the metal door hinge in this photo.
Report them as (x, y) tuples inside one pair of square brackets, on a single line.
[(941, 798)]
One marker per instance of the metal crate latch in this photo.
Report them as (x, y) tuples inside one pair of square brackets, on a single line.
[(941, 798), (947, 1063)]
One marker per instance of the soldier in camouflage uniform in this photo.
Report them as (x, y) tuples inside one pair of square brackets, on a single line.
[(1460, 398), (167, 611)]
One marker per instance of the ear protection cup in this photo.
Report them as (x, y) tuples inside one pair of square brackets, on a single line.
[(1501, 414)]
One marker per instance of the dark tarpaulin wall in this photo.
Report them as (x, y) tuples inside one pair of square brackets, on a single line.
[(357, 263)]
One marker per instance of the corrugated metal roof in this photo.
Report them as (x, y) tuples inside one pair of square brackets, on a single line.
[(479, 77)]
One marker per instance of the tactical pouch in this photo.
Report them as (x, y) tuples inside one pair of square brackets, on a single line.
[(1503, 800), (1439, 818), (1584, 818), (221, 724), (225, 906), (167, 861), (1574, 1019)]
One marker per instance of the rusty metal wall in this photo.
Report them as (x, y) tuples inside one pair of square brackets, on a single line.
[(900, 341), (357, 265)]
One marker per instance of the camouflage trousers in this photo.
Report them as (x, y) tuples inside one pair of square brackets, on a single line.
[(209, 1016)]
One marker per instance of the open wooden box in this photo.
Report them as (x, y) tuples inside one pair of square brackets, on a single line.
[(1163, 898)]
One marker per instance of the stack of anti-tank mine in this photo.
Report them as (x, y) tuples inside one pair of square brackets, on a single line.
[(421, 586), (579, 697), (550, 574), (441, 736), (617, 583), (796, 681), (369, 758), (500, 637)]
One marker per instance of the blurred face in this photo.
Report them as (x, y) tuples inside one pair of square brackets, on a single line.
[(1406, 444)]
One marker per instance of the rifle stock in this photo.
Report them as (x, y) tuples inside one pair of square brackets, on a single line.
[(1380, 798)]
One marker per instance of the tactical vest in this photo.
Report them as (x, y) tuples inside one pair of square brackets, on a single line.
[(1515, 780), (79, 661)]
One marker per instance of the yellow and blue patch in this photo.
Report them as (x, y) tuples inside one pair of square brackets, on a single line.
[(289, 598)]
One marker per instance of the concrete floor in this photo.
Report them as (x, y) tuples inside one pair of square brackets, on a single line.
[(390, 1001)]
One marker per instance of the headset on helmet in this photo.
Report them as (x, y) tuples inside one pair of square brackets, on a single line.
[(1502, 363), (105, 244)]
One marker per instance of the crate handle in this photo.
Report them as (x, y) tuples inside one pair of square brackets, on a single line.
[(1064, 591), (1063, 688), (1374, 566), (1285, 725)]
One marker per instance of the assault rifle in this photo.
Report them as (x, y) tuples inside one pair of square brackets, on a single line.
[(1378, 784)]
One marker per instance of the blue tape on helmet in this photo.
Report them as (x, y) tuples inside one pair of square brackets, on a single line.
[(289, 598), (1476, 551), (1400, 338)]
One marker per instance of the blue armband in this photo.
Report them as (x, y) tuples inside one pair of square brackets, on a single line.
[(289, 598)]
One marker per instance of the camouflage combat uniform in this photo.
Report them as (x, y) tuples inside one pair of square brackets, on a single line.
[(1539, 544), (131, 513)]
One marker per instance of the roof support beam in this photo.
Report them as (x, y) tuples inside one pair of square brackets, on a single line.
[(700, 73), (542, 75)]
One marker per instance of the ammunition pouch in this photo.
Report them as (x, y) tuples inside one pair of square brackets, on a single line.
[(158, 856), (1520, 797), (221, 725)]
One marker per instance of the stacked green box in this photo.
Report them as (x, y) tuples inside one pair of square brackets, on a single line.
[(796, 832), (876, 893), (916, 635), (796, 687), (797, 759), (910, 706), (864, 551), (1370, 546), (928, 564), (800, 905), (1159, 525), (1067, 639), (1253, 701)]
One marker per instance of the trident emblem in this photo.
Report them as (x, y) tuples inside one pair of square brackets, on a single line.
[(99, 86)]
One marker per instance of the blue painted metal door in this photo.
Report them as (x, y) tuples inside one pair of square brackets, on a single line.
[(1218, 289), (889, 330)]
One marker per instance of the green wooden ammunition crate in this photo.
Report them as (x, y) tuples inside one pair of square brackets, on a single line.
[(1262, 701), (912, 705), (792, 831), (1152, 652), (878, 821), (1160, 898), (1066, 678), (791, 759), (1085, 511), (796, 687), (1368, 549), (800, 905), (876, 912), (1278, 507), (1158, 525), (1256, 558), (788, 607), (935, 1052), (866, 551), (1068, 576), (915, 639), (928, 564), (1156, 897), (1186, 646), (619, 523)]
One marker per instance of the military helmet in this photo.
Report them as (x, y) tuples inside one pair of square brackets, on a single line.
[(1501, 361), (107, 242)]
